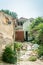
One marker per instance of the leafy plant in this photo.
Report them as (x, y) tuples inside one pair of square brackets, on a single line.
[(17, 46), (36, 30), (36, 22), (40, 51), (32, 58), (9, 55)]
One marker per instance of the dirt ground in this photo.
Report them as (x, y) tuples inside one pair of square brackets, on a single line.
[(38, 62)]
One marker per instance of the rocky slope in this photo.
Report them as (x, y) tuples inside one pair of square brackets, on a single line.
[(6, 28)]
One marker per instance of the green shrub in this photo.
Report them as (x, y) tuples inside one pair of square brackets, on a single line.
[(9, 55), (17, 46), (32, 58), (40, 51), (13, 14), (38, 34)]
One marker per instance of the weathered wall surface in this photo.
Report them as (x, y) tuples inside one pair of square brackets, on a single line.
[(6, 27)]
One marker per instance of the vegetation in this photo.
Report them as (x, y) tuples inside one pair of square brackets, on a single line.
[(32, 58), (40, 51), (36, 30), (9, 55), (13, 14), (17, 46), (36, 22)]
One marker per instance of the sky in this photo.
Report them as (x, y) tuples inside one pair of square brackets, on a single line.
[(24, 8)]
